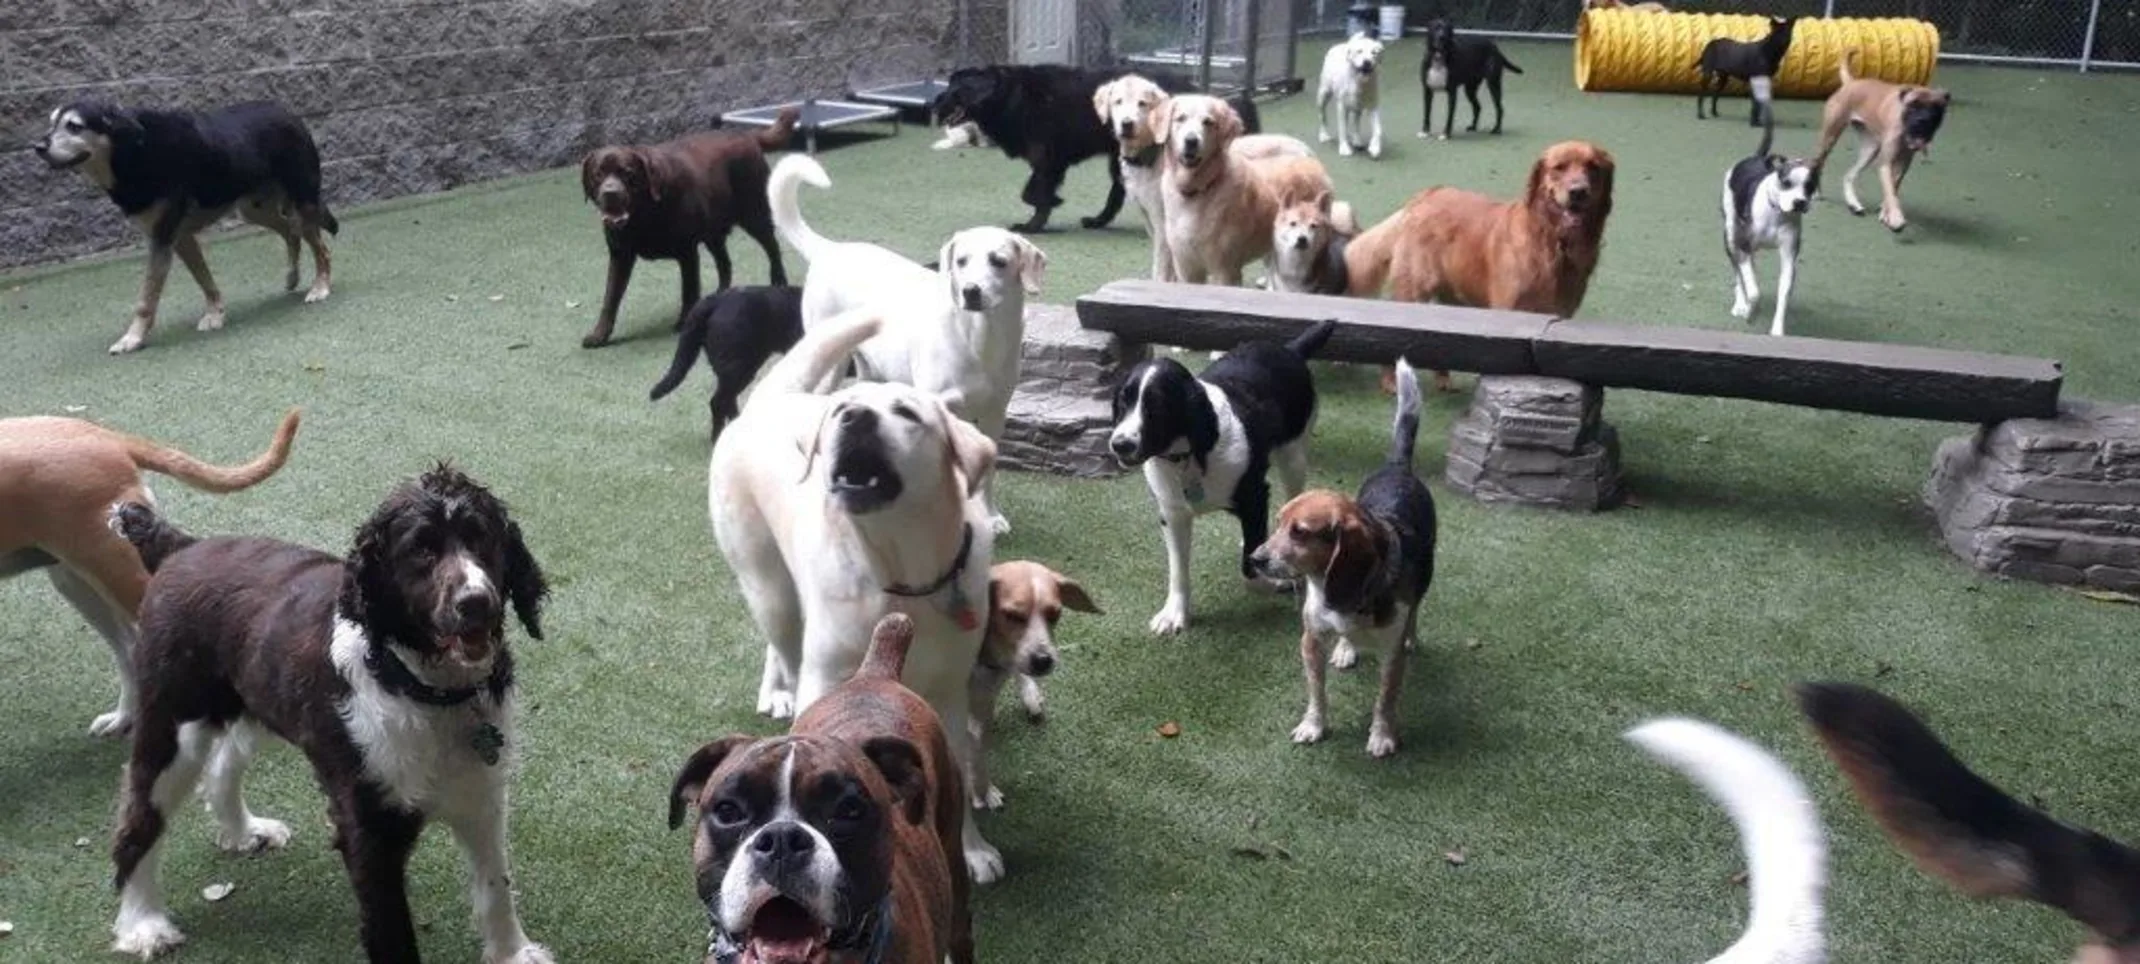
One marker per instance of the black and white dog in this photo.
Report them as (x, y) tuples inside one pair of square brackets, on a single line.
[(389, 669), (175, 173), (1766, 197), (1208, 441), (1725, 60), (737, 329), (1456, 61)]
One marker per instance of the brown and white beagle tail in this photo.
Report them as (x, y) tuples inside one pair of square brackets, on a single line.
[(1960, 828), (165, 460), (1786, 853)]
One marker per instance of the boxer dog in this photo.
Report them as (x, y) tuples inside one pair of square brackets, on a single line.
[(1895, 122), (835, 842)]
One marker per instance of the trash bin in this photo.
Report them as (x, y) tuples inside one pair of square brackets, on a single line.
[(1359, 19), (1392, 21)]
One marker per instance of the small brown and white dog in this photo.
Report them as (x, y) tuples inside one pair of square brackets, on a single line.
[(1025, 601), (1960, 828), (1366, 563), (1219, 208), (1895, 123), (389, 668), (838, 841), (59, 478), (1535, 253), (1130, 106), (1308, 247)]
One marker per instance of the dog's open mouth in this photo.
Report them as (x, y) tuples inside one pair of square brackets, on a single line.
[(863, 479), (615, 217), (469, 650), (785, 932), (62, 163)]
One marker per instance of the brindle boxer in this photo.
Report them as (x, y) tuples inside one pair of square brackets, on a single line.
[(834, 843)]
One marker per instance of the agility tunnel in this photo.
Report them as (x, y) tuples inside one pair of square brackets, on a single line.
[(1655, 53)]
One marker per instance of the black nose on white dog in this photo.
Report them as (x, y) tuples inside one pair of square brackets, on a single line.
[(1300, 244), (857, 418), (1128, 127), (970, 296), (1123, 447), (784, 843)]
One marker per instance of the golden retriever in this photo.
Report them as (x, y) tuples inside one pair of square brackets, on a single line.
[(1219, 208)]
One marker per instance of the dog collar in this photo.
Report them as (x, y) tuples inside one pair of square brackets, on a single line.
[(1144, 158), (395, 677), (869, 934), (956, 604)]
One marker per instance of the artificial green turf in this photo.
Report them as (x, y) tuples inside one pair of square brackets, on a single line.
[(1771, 545)]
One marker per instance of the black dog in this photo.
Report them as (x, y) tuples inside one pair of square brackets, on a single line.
[(175, 173), (737, 329), (1042, 114), (1755, 63), (1454, 60)]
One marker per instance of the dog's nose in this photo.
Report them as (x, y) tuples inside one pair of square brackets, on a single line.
[(1300, 243), (1128, 128), (475, 606), (1579, 194), (1123, 446), (856, 417), (1041, 664), (971, 294), (784, 842)]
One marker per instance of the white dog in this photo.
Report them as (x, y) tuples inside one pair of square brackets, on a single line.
[(956, 331), (1766, 197), (1349, 80), (834, 510), (1127, 105)]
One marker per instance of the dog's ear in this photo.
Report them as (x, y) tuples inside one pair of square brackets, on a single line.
[(367, 576), (1535, 187), (1353, 558), (648, 174), (1602, 167), (1099, 101), (901, 765), (524, 582), (587, 175), (944, 268), (123, 125), (1159, 119), (1074, 595), (1322, 201), (1230, 124), (967, 450), (691, 780), (1203, 429), (1032, 264)]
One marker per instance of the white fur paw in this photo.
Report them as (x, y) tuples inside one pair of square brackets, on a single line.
[(1374, 150), (1036, 709), (1893, 220), (999, 525), (317, 294), (147, 938), (1381, 743), (1742, 309), (114, 723), (1345, 149), (1323, 137), (531, 954), (984, 863), (1310, 730), (259, 836), (1423, 135), (1344, 656), (1441, 137), (1775, 329), (211, 320), (126, 343), (1170, 620), (990, 799), (779, 706), (1854, 206)]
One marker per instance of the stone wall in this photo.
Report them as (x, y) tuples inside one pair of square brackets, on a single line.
[(411, 96)]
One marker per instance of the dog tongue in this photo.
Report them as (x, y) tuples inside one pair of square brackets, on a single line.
[(783, 932)]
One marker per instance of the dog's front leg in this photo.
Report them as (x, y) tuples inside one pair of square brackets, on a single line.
[(776, 685), (982, 689), (1162, 257), (1322, 115), (1786, 276), (1868, 148), (1177, 521), (189, 251), (376, 839), (1745, 287), (984, 863), (151, 296), (620, 275), (1892, 167), (1374, 127), (1382, 732), (481, 834), (1310, 729), (1345, 125), (1039, 191), (1252, 506)]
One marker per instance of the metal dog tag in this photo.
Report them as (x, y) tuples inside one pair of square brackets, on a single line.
[(960, 609), (487, 741)]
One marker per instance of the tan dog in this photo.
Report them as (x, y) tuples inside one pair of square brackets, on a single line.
[(59, 479), (1535, 253), (1895, 123), (1308, 247), (1025, 600), (837, 841), (1219, 208)]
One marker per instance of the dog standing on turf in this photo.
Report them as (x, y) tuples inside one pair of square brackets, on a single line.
[(1025, 601), (1366, 563), (1725, 60), (1349, 83), (1766, 197), (1308, 247), (737, 330), (1895, 123), (175, 173), (1454, 61)]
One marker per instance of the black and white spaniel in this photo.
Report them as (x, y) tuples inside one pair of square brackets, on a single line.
[(1207, 442), (389, 669)]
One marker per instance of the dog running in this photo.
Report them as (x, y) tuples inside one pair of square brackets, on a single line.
[(1766, 197), (1724, 60)]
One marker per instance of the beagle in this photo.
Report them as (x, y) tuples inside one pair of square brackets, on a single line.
[(1025, 601), (1366, 563)]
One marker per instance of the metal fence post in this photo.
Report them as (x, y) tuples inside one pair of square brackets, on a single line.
[(1249, 44), (2095, 13), (1211, 26), (1828, 11)]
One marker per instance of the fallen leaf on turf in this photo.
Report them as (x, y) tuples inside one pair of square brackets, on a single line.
[(315, 367), (572, 304), (216, 892), (1473, 643), (516, 346), (2108, 596), (497, 297), (1743, 686), (1170, 729), (81, 841), (1739, 879), (1701, 440), (1883, 669), (75, 409), (1252, 853), (1456, 858), (453, 297)]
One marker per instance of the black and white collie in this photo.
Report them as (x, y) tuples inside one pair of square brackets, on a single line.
[(1765, 201), (1207, 442), (175, 173), (389, 669)]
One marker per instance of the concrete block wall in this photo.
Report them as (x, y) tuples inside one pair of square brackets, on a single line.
[(414, 96)]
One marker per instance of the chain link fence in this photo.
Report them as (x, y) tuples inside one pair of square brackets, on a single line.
[(1222, 45), (2086, 34)]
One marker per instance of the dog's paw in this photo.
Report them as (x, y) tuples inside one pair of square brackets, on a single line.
[(1323, 137), (1344, 149), (1309, 731), (595, 339), (999, 525), (989, 799), (290, 279), (318, 292), (1171, 619), (1375, 150), (113, 724), (1093, 223), (779, 706), (126, 343), (211, 320), (258, 836), (1036, 707), (984, 863), (1855, 208), (1344, 656), (1442, 136), (1742, 309), (147, 937), (1381, 742), (1894, 220), (530, 954), (1423, 135)]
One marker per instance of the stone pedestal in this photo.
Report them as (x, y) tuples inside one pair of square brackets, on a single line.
[(2049, 500), (1534, 440), (1062, 412)]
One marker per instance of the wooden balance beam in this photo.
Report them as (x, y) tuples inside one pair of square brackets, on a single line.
[(1903, 381)]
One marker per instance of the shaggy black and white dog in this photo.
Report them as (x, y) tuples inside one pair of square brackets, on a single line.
[(174, 173), (1207, 443), (388, 668), (1042, 114)]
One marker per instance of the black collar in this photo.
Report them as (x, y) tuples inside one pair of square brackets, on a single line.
[(1144, 158), (871, 934), (396, 677), (958, 566)]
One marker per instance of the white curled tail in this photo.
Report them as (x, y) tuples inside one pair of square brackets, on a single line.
[(1786, 854), (782, 192)]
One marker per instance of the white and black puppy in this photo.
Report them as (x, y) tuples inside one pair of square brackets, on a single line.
[(175, 173), (389, 668), (1349, 82), (1206, 443), (1765, 201)]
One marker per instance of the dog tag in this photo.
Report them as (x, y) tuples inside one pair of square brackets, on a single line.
[(487, 741), (961, 610)]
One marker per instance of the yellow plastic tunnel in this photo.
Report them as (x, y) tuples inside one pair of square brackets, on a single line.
[(1656, 53)]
